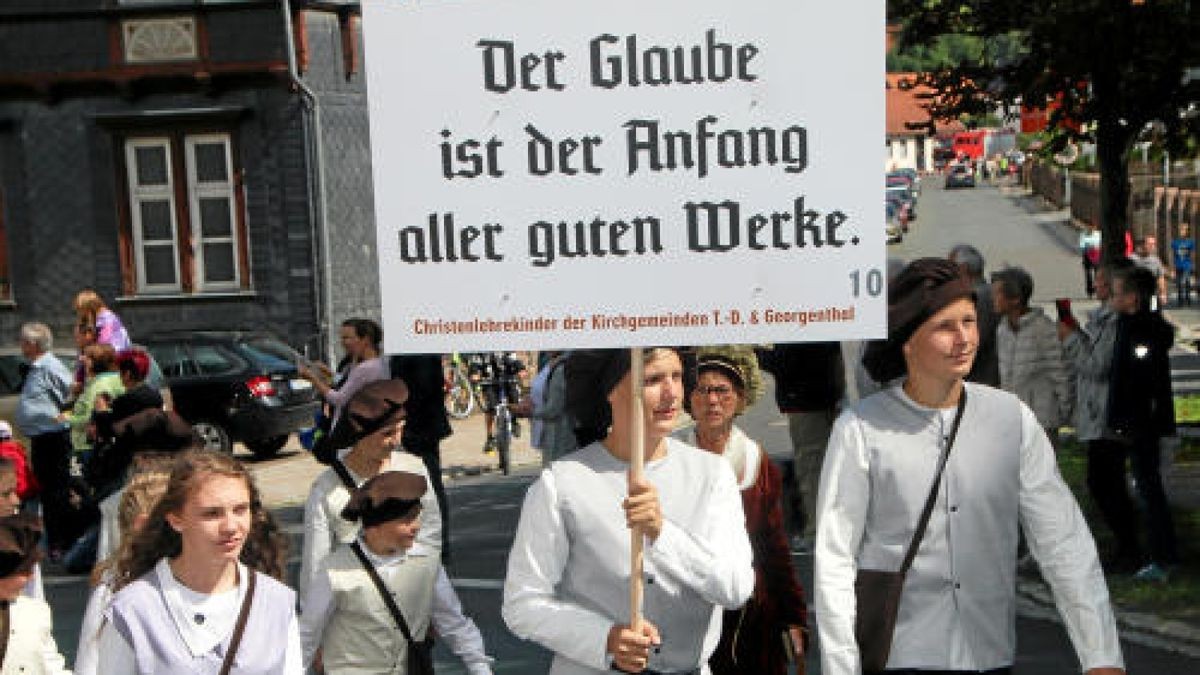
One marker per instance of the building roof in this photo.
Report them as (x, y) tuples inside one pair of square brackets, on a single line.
[(905, 106)]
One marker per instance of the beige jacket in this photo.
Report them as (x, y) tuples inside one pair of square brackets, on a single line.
[(362, 636), (1033, 367)]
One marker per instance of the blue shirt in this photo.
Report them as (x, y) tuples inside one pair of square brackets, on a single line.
[(47, 388), (1183, 249)]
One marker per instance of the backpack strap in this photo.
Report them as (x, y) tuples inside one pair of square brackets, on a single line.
[(240, 627)]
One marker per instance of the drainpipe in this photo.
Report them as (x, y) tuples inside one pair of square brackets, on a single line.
[(322, 259)]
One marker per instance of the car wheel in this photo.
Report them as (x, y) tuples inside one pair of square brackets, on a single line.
[(265, 448), (213, 436)]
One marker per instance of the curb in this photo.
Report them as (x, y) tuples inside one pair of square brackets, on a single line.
[(1142, 629), (460, 471)]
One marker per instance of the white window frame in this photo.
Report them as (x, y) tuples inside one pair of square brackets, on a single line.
[(139, 193), (196, 191)]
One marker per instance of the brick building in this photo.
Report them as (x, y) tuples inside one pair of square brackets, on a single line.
[(201, 163)]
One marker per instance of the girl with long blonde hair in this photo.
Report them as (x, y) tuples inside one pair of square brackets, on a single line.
[(144, 491)]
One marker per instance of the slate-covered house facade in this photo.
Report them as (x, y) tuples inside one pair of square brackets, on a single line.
[(201, 163)]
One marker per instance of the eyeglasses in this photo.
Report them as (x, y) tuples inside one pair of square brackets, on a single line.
[(722, 391)]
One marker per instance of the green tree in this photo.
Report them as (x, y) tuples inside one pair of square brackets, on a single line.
[(1114, 66)]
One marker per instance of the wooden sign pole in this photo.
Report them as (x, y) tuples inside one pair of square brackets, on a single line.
[(636, 464)]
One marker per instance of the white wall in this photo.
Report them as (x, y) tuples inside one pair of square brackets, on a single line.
[(900, 152)]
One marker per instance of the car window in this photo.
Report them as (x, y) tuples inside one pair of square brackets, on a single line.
[(270, 353), (212, 360), (10, 374), (174, 360)]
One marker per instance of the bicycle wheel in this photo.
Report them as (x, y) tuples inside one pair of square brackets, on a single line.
[(504, 438), (460, 400)]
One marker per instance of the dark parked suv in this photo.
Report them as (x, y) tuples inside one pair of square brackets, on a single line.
[(235, 386)]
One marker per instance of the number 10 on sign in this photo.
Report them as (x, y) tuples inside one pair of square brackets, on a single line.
[(874, 279)]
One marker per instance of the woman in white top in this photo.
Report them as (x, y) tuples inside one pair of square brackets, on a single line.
[(369, 438), (28, 638), (568, 571), (209, 553), (958, 600)]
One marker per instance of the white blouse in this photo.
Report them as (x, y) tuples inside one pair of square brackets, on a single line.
[(220, 611)]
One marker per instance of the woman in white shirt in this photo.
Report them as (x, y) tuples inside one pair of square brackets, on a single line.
[(27, 642), (569, 567), (209, 555), (958, 599), (368, 442)]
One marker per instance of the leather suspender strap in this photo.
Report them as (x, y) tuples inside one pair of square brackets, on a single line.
[(240, 627), (937, 482), (340, 469), (383, 590), (5, 629)]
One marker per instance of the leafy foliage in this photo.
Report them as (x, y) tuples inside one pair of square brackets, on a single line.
[(1112, 67)]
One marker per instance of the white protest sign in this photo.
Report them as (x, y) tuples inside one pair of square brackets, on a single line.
[(557, 174)]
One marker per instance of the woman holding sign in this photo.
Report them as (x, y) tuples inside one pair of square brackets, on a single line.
[(569, 567), (922, 491)]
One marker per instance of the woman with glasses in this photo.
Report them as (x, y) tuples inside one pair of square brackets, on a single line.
[(770, 629)]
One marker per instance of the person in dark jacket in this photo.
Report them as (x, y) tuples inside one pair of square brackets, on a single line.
[(810, 381), (133, 365), (427, 423), (1141, 407)]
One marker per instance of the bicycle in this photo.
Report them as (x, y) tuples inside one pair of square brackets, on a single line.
[(504, 432), (461, 393), (498, 382)]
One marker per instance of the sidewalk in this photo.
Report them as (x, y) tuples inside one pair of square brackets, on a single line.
[(284, 481)]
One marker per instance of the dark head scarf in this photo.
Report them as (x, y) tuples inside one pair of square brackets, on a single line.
[(369, 410), (391, 495), (592, 374), (922, 289)]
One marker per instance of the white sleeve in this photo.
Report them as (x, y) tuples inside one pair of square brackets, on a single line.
[(317, 538), (116, 655), (459, 632), (318, 608), (88, 654), (842, 499), (53, 662), (718, 563), (531, 607), (430, 533), (293, 658), (1059, 539)]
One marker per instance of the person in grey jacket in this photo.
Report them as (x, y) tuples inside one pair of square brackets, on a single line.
[(553, 428), (1089, 353), (1029, 352)]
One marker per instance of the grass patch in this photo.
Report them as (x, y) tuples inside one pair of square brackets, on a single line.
[(1180, 598)]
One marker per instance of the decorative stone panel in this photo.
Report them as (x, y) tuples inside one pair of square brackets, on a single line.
[(160, 39)]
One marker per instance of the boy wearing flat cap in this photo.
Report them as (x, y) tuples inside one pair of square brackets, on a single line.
[(368, 436), (970, 465), (346, 614), (26, 635)]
